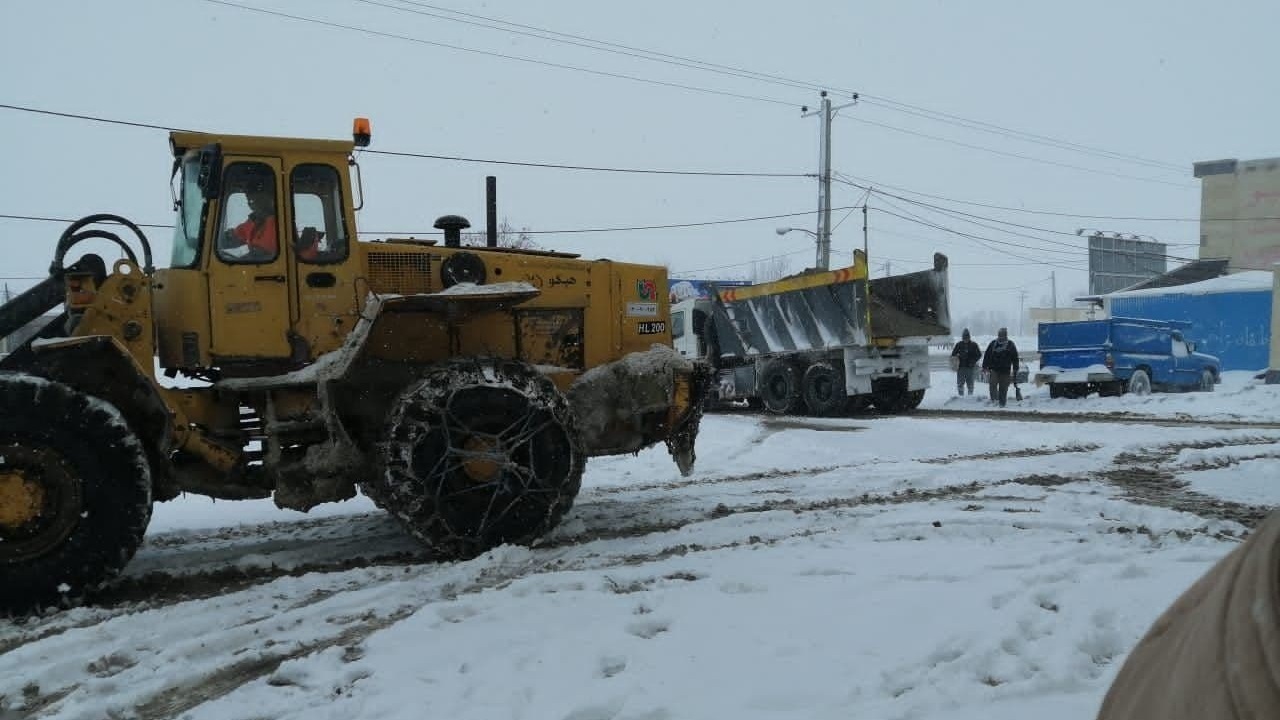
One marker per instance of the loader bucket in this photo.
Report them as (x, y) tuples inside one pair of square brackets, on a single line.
[(646, 397)]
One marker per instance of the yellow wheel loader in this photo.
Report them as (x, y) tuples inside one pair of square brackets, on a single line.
[(460, 387)]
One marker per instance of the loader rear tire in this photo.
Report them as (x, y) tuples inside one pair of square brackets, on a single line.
[(75, 494), (824, 390), (478, 454), (780, 389)]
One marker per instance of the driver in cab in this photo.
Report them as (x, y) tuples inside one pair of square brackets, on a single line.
[(255, 238)]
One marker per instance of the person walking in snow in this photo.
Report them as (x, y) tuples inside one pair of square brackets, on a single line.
[(1000, 362), (966, 355)]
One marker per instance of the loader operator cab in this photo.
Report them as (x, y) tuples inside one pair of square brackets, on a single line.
[(260, 278)]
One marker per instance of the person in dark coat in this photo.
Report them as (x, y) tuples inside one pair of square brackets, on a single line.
[(966, 354), (1000, 362)]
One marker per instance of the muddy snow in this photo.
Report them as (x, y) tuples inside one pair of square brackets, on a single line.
[(949, 565)]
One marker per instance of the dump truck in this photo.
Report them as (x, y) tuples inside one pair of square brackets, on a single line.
[(462, 388), (1120, 354), (821, 343)]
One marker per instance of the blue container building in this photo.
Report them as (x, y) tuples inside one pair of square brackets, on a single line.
[(1229, 317)]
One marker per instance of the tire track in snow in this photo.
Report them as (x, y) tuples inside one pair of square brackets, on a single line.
[(1143, 477), (158, 589), (1123, 418)]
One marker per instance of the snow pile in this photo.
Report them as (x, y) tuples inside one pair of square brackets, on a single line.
[(469, 288), (615, 403)]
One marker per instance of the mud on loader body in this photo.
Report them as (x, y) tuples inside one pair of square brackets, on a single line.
[(461, 388)]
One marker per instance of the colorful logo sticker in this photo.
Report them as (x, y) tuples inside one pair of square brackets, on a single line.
[(647, 289)]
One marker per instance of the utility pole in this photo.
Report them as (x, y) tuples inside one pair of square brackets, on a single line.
[(1053, 283), (1022, 303), (827, 113)]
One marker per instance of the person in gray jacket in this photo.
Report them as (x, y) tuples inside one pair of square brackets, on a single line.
[(1000, 362)]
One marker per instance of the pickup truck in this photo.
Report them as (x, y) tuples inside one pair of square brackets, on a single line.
[(1120, 355)]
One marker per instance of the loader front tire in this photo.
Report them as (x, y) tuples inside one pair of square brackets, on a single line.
[(75, 494), (478, 454)]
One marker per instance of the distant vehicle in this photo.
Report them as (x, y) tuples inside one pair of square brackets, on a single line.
[(1119, 355), (819, 343)]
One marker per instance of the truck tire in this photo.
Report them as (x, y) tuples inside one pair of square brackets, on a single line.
[(1139, 383), (857, 404), (914, 398), (780, 389), (1056, 391), (890, 395), (75, 494), (478, 454), (1207, 380), (824, 390)]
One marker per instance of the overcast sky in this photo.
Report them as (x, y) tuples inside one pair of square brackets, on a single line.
[(1167, 83)]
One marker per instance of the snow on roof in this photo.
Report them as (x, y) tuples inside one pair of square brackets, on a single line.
[(1252, 280)]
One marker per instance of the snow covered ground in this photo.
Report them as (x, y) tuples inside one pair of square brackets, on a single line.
[(911, 567), (1237, 397)]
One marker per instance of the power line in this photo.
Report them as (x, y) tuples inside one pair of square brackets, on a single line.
[(1023, 286), (1006, 153), (965, 217), (976, 238), (42, 218), (732, 71), (93, 118), (490, 23), (738, 264), (1062, 249), (651, 81), (1080, 216), (504, 56), (986, 127), (454, 158), (557, 166), (686, 225), (568, 231)]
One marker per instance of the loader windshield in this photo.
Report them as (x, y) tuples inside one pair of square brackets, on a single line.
[(186, 227)]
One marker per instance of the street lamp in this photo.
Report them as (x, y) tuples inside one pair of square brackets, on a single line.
[(817, 239), (785, 230)]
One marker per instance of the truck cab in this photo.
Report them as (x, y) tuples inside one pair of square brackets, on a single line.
[(688, 324), (1119, 355)]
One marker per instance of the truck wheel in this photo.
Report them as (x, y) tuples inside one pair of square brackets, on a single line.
[(1206, 380), (1140, 383), (857, 404), (75, 494), (914, 398), (890, 396), (824, 390), (780, 389), (1055, 391), (477, 455)]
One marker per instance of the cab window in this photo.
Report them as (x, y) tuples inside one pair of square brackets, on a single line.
[(319, 224), (677, 325), (247, 233), (186, 231)]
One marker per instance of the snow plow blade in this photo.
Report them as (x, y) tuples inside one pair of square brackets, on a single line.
[(646, 397)]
